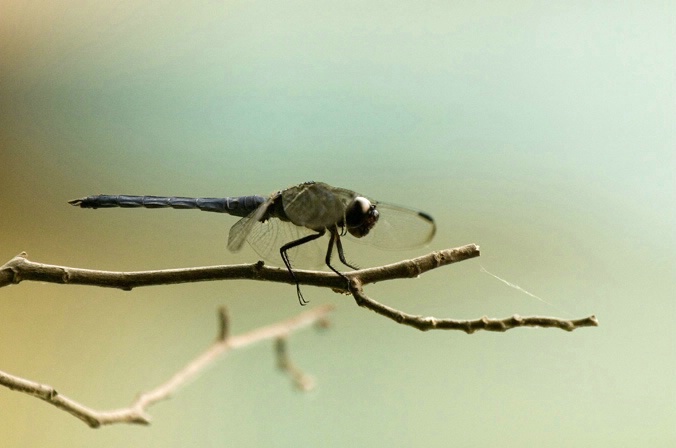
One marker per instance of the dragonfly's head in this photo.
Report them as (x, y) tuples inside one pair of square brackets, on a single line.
[(360, 217)]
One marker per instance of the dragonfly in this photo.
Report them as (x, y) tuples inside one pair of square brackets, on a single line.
[(297, 216)]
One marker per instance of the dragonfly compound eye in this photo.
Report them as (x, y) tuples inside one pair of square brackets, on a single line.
[(360, 217)]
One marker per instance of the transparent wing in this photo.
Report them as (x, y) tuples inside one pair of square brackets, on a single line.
[(242, 228), (400, 228), (266, 238)]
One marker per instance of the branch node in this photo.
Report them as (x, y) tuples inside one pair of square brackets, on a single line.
[(431, 322)]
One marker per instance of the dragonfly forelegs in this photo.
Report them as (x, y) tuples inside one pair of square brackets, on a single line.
[(335, 239), (341, 254), (283, 251)]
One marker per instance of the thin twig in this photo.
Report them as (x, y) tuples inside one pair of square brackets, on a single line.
[(300, 379), (468, 326), (224, 324), (136, 412)]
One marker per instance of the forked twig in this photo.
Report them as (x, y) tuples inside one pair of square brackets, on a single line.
[(136, 412), (20, 269)]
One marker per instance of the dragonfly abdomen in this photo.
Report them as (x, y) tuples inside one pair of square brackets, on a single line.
[(237, 206)]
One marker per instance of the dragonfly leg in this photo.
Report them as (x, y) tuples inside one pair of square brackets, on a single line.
[(285, 258), (341, 254), (335, 239)]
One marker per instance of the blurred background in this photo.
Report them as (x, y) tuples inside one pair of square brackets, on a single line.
[(541, 130)]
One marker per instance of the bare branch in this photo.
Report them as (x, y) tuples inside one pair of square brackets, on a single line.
[(20, 269), (468, 326), (136, 412)]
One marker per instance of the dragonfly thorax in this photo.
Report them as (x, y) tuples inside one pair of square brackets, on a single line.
[(360, 217)]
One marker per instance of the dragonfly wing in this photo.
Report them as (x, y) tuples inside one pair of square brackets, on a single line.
[(267, 235), (240, 231), (400, 228), (267, 238)]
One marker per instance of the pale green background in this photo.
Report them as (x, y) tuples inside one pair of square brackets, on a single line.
[(543, 131)]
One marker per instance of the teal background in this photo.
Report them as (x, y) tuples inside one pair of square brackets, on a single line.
[(542, 131)]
